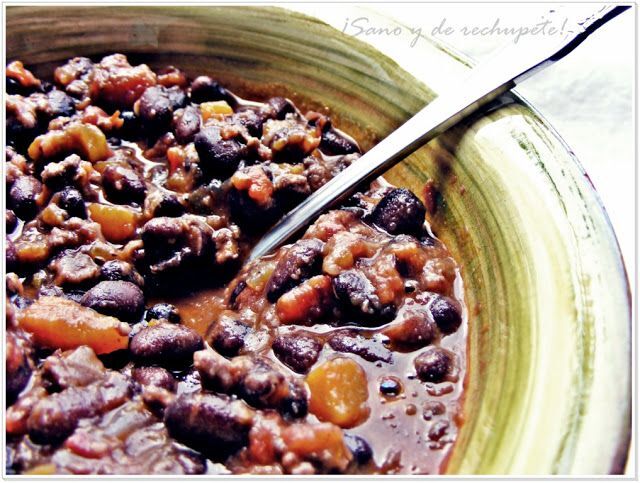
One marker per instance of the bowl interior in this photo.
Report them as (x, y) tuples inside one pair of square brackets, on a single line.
[(548, 386)]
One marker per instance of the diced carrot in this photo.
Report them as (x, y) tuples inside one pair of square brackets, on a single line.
[(323, 440), (176, 157), (306, 302), (118, 223), (59, 323), (339, 392), (210, 109)]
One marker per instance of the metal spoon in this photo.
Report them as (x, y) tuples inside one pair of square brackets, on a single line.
[(503, 71)]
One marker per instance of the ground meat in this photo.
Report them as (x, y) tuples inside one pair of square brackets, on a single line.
[(289, 140), (128, 439), (55, 417), (254, 379), (115, 82), (74, 268), (70, 172), (18, 363), (74, 368)]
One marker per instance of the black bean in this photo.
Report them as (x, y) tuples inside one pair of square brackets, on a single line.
[(175, 244), (400, 211), (446, 313), (356, 294), (60, 104), (295, 405), (296, 351), (120, 299), (23, 197), (279, 107), (205, 89), (219, 158), (227, 335), (353, 343), (115, 270), (434, 364), (300, 262), (212, 424), (333, 143), (71, 201), (359, 448), (123, 185), (131, 126), (13, 86), (168, 205), (249, 215), (187, 124), (157, 103), (163, 311), (165, 344), (11, 220), (154, 376)]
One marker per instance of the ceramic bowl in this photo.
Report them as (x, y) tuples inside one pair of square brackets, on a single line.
[(548, 386)]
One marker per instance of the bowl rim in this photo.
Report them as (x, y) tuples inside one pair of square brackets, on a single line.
[(623, 444)]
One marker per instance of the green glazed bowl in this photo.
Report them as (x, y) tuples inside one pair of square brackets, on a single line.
[(548, 387)]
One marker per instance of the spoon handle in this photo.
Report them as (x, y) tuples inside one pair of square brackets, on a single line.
[(500, 73)]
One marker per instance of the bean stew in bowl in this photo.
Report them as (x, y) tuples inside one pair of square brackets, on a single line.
[(137, 339)]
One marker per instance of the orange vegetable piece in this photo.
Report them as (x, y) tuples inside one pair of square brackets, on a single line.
[(118, 223), (322, 441), (257, 184), (60, 323), (305, 303), (176, 157), (84, 139), (339, 392), (210, 109)]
